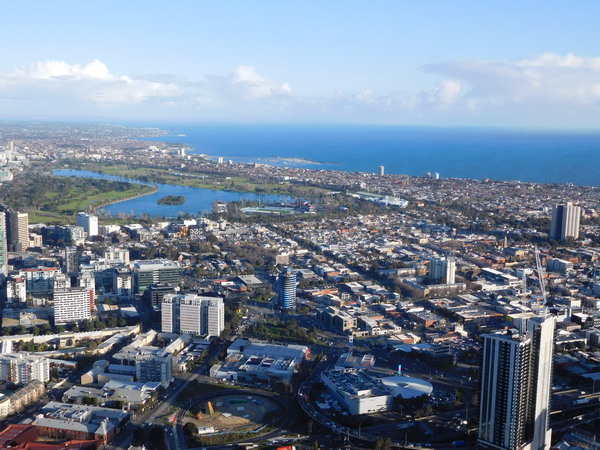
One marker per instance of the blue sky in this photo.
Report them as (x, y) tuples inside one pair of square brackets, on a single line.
[(531, 64)]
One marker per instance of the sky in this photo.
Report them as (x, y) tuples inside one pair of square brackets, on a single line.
[(442, 63)]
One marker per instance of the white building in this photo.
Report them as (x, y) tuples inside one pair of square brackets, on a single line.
[(21, 368), (72, 305), (16, 290), (364, 394), (193, 314), (89, 223), (120, 254)]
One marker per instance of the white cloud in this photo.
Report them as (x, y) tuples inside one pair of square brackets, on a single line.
[(550, 79), (558, 89), (251, 85), (90, 82)]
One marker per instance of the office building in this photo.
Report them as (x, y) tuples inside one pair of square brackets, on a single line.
[(71, 260), (18, 230), (3, 244), (117, 254), (192, 314), (88, 222), (156, 292), (22, 368), (442, 270), (72, 305), (515, 386), (155, 365), (565, 222), (146, 273), (286, 289)]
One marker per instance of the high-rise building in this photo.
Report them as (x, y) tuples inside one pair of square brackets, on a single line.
[(193, 314), (442, 270), (565, 222), (286, 288), (515, 386), (89, 223), (3, 244), (381, 171), (71, 260), (18, 230), (71, 305), (213, 316)]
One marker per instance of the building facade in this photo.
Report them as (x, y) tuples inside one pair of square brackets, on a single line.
[(22, 368), (158, 271), (515, 387), (442, 270), (286, 289), (565, 222), (192, 314), (88, 222), (72, 305)]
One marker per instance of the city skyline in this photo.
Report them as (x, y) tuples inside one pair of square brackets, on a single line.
[(389, 63)]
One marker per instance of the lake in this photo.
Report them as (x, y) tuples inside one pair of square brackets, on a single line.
[(197, 200)]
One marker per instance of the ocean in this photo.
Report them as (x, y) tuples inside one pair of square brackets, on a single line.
[(532, 156)]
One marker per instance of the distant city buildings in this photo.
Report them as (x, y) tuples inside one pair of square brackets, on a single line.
[(565, 222), (89, 223), (190, 313), (286, 288), (381, 171), (515, 387)]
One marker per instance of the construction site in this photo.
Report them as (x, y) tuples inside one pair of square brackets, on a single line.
[(235, 412)]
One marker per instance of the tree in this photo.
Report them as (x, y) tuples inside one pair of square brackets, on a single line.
[(383, 444), (190, 429)]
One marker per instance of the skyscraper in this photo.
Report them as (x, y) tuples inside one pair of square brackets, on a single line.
[(3, 244), (515, 386), (565, 222), (381, 171), (18, 230), (442, 270), (286, 288)]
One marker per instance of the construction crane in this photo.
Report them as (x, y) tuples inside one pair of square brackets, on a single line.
[(540, 273)]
